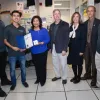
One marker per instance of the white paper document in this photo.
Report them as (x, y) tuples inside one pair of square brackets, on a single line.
[(28, 40)]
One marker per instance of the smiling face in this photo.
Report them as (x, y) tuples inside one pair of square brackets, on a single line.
[(16, 17), (91, 12), (76, 18), (36, 22), (56, 15)]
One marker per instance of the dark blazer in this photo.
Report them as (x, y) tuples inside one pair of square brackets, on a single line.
[(94, 35), (76, 46), (98, 41), (62, 37), (2, 45)]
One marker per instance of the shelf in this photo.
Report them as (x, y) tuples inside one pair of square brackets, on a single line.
[(63, 8)]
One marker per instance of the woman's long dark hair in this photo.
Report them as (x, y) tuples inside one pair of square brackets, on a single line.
[(80, 20), (40, 22)]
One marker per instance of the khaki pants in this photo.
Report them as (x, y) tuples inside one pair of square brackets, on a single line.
[(97, 61), (58, 60)]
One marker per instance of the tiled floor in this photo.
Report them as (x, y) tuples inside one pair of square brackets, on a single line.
[(51, 90)]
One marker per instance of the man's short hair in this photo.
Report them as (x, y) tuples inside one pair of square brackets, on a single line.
[(56, 10), (92, 7), (16, 11)]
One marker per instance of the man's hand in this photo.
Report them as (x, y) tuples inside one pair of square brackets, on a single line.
[(81, 54), (63, 53), (15, 48), (22, 50), (50, 50)]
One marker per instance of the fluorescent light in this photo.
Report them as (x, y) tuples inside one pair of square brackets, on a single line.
[(58, 4)]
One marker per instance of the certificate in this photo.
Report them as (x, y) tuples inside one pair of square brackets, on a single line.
[(28, 40)]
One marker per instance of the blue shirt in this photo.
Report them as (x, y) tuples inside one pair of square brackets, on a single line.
[(42, 36)]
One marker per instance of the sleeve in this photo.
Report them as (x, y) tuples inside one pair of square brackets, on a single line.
[(70, 29), (66, 37), (6, 33), (46, 37), (83, 39), (98, 32), (24, 31), (2, 24), (49, 44)]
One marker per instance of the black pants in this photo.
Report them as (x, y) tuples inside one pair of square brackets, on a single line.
[(90, 63), (3, 62), (40, 62), (77, 69)]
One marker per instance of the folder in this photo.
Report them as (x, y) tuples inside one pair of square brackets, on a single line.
[(21, 42), (24, 42)]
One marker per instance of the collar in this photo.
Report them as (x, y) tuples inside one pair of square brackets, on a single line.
[(91, 20), (14, 26), (58, 23)]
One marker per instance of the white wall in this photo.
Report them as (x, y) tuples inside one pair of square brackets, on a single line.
[(47, 11), (79, 2), (98, 10), (44, 11), (72, 7)]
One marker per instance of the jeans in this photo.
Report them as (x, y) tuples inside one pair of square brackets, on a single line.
[(12, 62)]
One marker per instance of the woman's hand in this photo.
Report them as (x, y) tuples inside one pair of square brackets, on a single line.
[(22, 50), (81, 54), (41, 43)]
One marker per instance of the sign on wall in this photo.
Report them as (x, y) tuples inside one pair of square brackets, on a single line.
[(20, 6), (90, 2)]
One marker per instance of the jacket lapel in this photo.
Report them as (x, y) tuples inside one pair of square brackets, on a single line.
[(94, 26), (59, 27)]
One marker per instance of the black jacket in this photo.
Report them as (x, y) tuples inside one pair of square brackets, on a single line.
[(76, 46), (62, 37), (94, 35), (2, 45), (98, 41)]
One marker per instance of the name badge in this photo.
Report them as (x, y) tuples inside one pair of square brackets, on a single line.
[(35, 42)]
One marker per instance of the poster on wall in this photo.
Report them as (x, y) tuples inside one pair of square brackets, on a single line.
[(27, 16), (43, 19), (20, 6), (85, 17), (90, 2)]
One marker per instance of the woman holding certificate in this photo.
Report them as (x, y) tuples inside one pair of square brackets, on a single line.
[(40, 37), (76, 46)]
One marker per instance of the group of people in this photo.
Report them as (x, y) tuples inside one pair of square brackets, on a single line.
[(82, 39)]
